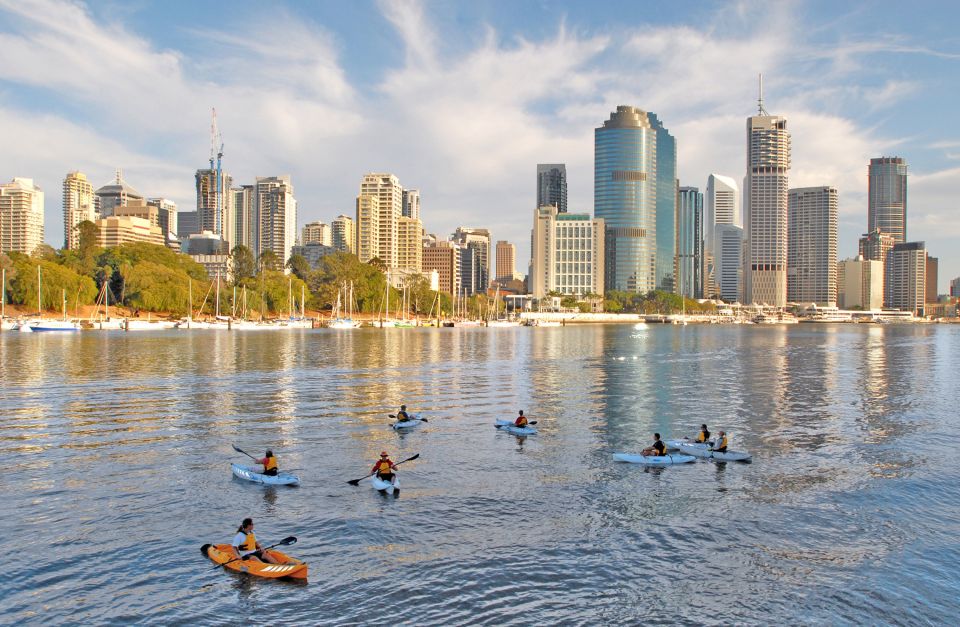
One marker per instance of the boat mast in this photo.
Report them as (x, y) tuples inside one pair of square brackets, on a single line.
[(39, 308), (218, 294), (63, 295), (3, 293)]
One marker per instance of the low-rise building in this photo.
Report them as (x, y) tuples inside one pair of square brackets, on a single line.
[(860, 284), (116, 230), (313, 253), (444, 258), (215, 265)]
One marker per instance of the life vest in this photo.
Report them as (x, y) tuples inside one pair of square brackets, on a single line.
[(721, 443), (660, 447), (521, 421), (271, 464), (249, 544), (383, 467), (703, 436)]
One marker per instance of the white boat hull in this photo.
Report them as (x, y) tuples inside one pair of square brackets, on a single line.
[(386, 487), (414, 421), (509, 427), (653, 460), (705, 453), (54, 326), (251, 473)]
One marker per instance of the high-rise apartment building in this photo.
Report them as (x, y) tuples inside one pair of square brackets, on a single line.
[(932, 275), (411, 203), (765, 209), (276, 208), (409, 247), (316, 233), (166, 219), (389, 194), (906, 277), (728, 264), (247, 223), (812, 245), (477, 240), (690, 243), (666, 206), (78, 206), (721, 206), (860, 284), (215, 210), (444, 258), (113, 195), (552, 185), (21, 216), (625, 197), (344, 235), (506, 261), (955, 286), (567, 254), (368, 227), (887, 197)]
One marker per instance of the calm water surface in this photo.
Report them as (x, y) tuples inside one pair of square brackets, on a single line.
[(118, 448)]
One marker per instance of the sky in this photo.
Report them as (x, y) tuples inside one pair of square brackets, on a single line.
[(462, 99)]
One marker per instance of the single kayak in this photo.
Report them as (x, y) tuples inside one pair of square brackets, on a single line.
[(289, 566), (414, 421), (385, 486), (509, 427), (676, 444), (250, 473), (654, 460), (706, 453)]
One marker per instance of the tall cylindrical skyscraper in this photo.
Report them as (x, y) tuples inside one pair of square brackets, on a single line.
[(625, 196), (887, 198)]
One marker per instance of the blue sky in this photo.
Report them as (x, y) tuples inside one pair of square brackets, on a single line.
[(462, 99)]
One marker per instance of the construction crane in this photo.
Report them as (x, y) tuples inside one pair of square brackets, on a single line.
[(216, 148)]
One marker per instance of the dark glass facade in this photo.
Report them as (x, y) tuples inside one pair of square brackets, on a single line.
[(690, 242), (552, 185), (666, 206)]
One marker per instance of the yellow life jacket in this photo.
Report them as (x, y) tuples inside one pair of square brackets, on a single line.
[(701, 437), (722, 443), (271, 464), (250, 543), (522, 422), (383, 467)]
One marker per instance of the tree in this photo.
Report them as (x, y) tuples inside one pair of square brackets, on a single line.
[(378, 263), (269, 260), (243, 264), (300, 267), (56, 279), (45, 252)]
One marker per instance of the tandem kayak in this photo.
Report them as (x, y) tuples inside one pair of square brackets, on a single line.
[(385, 486), (289, 567), (698, 450), (414, 421), (250, 473), (509, 427), (654, 460)]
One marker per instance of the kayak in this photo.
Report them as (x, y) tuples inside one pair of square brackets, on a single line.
[(704, 452), (385, 486), (414, 421), (509, 427), (653, 460), (289, 566), (250, 473), (675, 444)]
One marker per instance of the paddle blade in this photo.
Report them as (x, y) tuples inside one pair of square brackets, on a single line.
[(287, 541), (392, 415), (410, 459), (354, 482), (238, 449), (424, 420)]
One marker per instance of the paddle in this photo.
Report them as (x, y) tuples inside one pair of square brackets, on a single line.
[(409, 419), (240, 450), (357, 481), (285, 542)]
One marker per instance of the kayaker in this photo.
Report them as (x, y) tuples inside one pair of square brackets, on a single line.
[(658, 449), (245, 544), (704, 435), (384, 467), (720, 445), (521, 420), (402, 415), (269, 463)]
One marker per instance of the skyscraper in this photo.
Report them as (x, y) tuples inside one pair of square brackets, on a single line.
[(552, 185), (166, 219), (411, 203), (276, 208), (368, 227), (721, 206), (690, 243), (444, 258), (409, 247), (506, 261), (389, 193), (625, 197), (344, 235), (479, 241), (728, 240), (906, 277), (247, 224), (215, 210), (78, 206), (114, 195), (567, 254), (666, 206), (931, 278), (765, 208), (812, 245), (316, 233), (887, 197), (21, 216), (860, 284)]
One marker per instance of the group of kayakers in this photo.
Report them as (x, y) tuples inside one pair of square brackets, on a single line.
[(719, 445)]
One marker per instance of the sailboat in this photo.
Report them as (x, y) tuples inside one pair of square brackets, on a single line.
[(340, 322), (383, 320), (5, 325), (500, 321), (53, 325)]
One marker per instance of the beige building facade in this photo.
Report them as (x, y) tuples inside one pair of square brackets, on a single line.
[(389, 193), (567, 254), (344, 234), (409, 246), (21, 216), (860, 284), (368, 227), (116, 230), (78, 206), (444, 258), (506, 261)]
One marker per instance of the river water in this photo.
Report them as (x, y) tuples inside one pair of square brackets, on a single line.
[(118, 448)]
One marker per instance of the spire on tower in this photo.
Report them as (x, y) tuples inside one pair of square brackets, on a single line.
[(760, 98)]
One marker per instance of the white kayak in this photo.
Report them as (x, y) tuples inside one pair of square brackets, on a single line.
[(509, 427), (252, 473), (654, 460), (699, 450), (414, 421), (675, 444), (385, 486)]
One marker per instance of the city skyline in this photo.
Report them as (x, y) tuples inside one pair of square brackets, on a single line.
[(853, 90)]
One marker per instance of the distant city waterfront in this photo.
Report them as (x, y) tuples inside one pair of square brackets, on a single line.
[(121, 444)]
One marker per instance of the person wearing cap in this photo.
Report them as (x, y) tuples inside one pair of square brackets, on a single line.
[(720, 445), (384, 467), (657, 449), (402, 415), (521, 420), (704, 436)]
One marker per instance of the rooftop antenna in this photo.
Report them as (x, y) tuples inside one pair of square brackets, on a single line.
[(760, 99), (119, 176)]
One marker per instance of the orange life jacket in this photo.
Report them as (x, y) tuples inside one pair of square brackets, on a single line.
[(721, 443), (271, 464), (703, 436), (521, 421), (383, 466)]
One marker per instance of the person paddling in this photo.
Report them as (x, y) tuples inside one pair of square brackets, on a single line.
[(704, 435), (269, 463), (720, 446), (521, 421), (384, 467), (246, 547), (402, 415), (657, 449)]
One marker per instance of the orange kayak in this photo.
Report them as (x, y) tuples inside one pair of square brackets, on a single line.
[(288, 567)]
